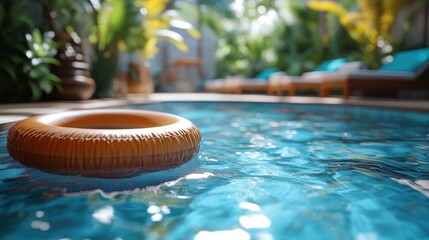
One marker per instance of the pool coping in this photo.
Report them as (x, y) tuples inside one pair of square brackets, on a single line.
[(12, 113)]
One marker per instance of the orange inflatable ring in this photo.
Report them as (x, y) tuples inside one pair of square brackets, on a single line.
[(104, 143)]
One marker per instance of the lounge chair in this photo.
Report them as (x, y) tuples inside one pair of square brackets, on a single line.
[(407, 71), (229, 84), (239, 84), (213, 85), (308, 81)]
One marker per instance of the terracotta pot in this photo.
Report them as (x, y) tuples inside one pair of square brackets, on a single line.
[(144, 81)]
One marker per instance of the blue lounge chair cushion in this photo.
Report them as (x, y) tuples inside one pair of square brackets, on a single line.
[(330, 65), (265, 75), (407, 61)]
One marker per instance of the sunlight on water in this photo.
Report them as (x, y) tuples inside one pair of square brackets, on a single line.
[(264, 171), (236, 234), (104, 215)]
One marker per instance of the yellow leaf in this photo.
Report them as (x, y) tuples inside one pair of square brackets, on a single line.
[(122, 46), (150, 49), (331, 7), (153, 7), (194, 33)]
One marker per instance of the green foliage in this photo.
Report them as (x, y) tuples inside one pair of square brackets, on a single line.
[(369, 25), (72, 16), (297, 41), (292, 42), (132, 26), (13, 25), (41, 55), (242, 54), (117, 28), (117, 20), (302, 46), (242, 49), (137, 25), (24, 58)]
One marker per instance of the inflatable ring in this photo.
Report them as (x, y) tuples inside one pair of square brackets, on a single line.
[(103, 143)]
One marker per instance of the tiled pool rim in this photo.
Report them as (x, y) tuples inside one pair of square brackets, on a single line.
[(12, 113)]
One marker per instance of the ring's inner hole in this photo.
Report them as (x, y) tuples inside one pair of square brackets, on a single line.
[(113, 121)]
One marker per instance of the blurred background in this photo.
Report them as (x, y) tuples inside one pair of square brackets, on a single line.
[(81, 49)]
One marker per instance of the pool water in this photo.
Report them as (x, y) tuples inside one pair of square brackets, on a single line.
[(264, 171)]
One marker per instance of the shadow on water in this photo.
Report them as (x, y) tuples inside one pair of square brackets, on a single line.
[(55, 184)]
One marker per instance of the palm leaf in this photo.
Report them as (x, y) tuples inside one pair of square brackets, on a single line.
[(173, 37), (186, 26), (110, 19)]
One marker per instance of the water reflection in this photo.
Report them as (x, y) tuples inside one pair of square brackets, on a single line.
[(361, 179), (255, 221), (250, 206), (419, 185), (104, 215), (56, 185), (41, 225), (235, 234)]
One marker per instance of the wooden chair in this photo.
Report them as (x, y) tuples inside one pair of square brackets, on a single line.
[(281, 83), (407, 71), (139, 79), (239, 84), (236, 85)]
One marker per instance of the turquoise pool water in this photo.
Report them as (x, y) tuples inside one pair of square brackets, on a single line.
[(264, 171)]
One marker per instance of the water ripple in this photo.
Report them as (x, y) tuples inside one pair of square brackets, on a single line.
[(264, 171)]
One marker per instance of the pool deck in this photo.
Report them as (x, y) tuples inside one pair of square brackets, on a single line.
[(12, 113)]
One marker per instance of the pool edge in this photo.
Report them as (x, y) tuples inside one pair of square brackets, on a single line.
[(12, 113)]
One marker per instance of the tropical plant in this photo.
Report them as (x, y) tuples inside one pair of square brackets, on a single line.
[(137, 25), (291, 41), (307, 38), (13, 25), (243, 48), (25, 55), (41, 55), (369, 26), (132, 26), (301, 48)]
